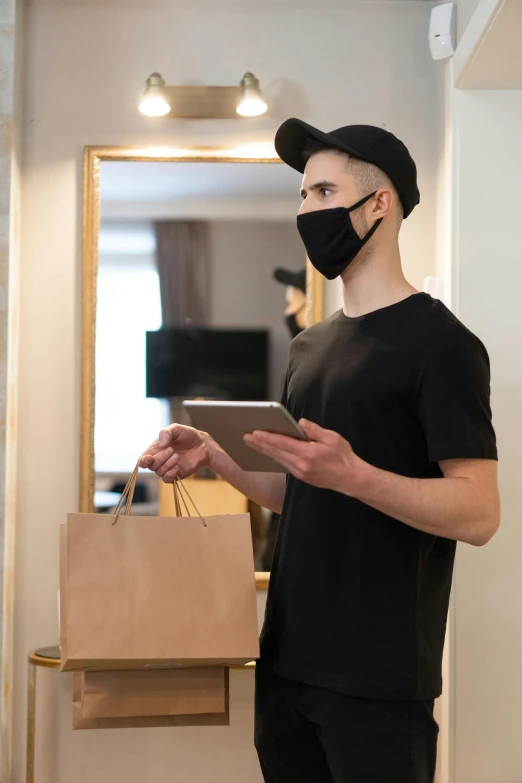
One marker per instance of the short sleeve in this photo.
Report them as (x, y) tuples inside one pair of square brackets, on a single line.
[(453, 403)]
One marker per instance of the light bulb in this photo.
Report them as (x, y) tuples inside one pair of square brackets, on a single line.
[(251, 103), (155, 102)]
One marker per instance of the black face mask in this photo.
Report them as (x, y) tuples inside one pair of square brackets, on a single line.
[(330, 239), (293, 326)]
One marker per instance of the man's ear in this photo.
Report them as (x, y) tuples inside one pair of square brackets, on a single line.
[(382, 203)]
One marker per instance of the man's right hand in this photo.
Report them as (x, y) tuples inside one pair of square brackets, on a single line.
[(178, 452)]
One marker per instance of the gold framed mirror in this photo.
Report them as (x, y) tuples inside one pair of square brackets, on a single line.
[(115, 181)]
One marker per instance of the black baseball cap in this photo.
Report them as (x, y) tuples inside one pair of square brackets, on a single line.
[(365, 142), (290, 277)]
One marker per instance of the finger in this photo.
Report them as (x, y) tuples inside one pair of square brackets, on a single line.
[(291, 462), (164, 439), (168, 465), (291, 447), (153, 449), (158, 460), (169, 435), (173, 474), (315, 432), (264, 447), (282, 442), (182, 470)]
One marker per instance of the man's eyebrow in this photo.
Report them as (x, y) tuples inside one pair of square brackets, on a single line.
[(319, 186)]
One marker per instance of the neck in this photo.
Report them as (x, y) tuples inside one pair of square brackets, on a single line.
[(374, 280), (300, 316)]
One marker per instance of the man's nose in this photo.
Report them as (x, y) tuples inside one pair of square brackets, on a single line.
[(306, 206)]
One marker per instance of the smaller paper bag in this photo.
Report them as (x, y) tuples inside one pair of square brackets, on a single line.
[(131, 694), (144, 722)]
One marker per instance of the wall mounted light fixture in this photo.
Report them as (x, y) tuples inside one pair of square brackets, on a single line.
[(251, 103), (195, 102), (155, 101)]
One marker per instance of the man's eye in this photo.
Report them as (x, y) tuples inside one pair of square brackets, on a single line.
[(325, 192)]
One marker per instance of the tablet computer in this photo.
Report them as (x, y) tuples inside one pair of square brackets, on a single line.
[(227, 422)]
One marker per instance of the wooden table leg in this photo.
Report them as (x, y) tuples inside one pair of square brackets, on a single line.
[(31, 721)]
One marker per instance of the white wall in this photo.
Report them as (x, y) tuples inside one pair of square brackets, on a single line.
[(488, 588), (244, 294), (331, 63)]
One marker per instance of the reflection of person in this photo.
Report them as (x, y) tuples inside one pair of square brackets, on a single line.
[(393, 393), (295, 313)]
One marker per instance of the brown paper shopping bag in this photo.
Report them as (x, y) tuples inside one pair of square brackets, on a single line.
[(208, 719), (132, 694), (142, 591)]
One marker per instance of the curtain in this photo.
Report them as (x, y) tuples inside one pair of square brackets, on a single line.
[(183, 259)]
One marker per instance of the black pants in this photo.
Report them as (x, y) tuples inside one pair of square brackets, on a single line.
[(305, 734)]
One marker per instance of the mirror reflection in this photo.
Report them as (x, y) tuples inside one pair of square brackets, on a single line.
[(201, 286)]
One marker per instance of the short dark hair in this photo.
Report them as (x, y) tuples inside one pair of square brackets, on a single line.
[(313, 146), (367, 176)]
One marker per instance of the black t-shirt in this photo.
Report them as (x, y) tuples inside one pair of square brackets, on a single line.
[(358, 601)]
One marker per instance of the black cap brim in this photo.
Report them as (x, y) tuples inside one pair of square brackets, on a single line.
[(296, 279), (293, 138)]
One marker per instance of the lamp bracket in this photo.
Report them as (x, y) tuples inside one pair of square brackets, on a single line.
[(201, 102)]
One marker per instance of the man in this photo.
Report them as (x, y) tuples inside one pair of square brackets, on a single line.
[(393, 393), (295, 313)]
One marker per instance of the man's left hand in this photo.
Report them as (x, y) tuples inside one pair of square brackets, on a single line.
[(326, 460)]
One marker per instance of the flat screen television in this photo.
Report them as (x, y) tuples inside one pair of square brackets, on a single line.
[(222, 364)]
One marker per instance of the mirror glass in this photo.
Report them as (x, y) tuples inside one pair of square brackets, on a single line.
[(188, 306)]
